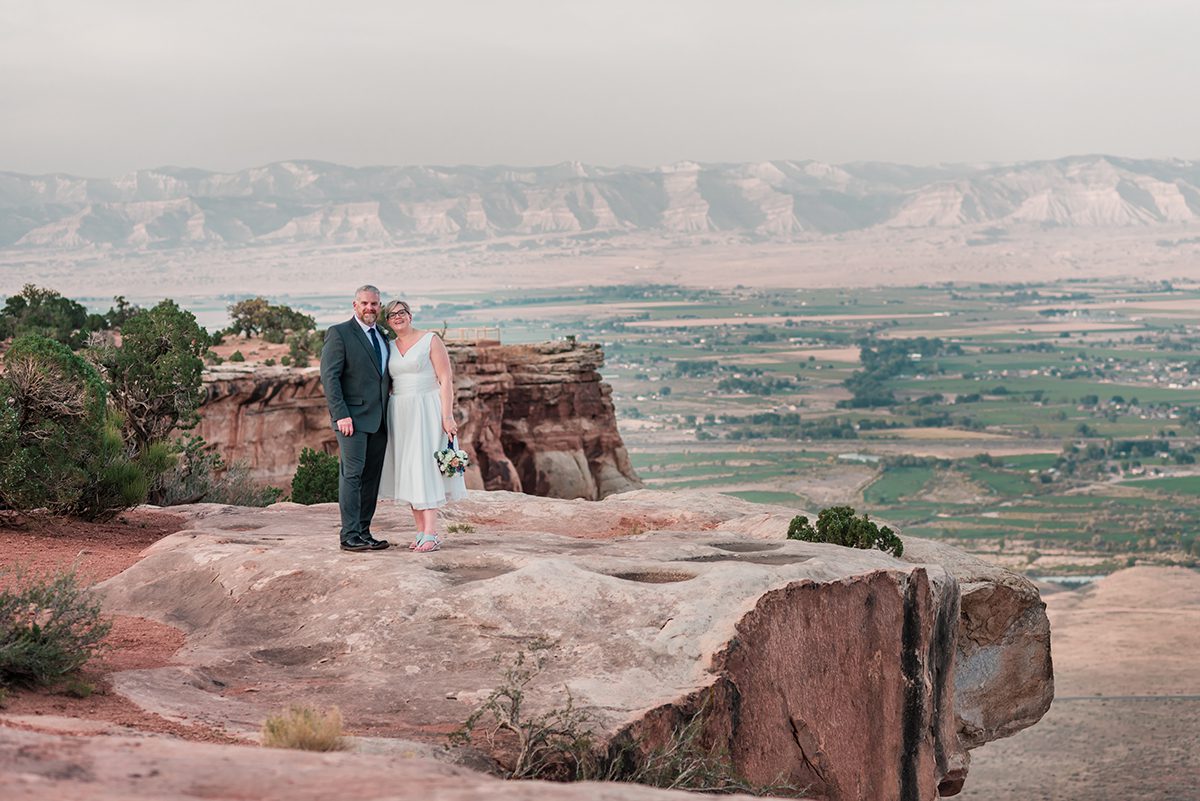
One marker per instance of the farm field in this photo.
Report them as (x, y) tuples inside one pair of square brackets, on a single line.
[(1054, 427)]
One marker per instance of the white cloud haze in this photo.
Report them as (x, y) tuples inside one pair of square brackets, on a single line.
[(103, 88)]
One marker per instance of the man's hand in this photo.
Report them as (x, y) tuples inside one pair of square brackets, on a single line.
[(346, 426)]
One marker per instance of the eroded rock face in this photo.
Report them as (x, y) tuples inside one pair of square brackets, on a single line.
[(264, 417), (820, 667), (541, 420), (1004, 676), (536, 419)]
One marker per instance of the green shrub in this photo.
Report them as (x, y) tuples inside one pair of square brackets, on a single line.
[(237, 356), (46, 313), (839, 525), (236, 488), (52, 417), (49, 628), (115, 480), (200, 474), (304, 345), (64, 451), (191, 477), (316, 478)]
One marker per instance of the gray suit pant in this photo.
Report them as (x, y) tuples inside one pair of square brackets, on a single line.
[(358, 479)]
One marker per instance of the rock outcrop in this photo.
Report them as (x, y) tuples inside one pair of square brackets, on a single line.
[(535, 418), (264, 417), (1004, 677), (827, 669), (1004, 680)]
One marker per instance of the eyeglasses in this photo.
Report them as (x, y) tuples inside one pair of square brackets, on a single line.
[(398, 314)]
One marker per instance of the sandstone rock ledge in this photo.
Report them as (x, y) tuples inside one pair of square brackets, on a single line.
[(829, 669), (39, 766), (535, 418)]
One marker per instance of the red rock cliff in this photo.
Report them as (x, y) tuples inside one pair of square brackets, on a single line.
[(535, 419)]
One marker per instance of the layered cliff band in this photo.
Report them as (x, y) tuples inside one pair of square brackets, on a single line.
[(391, 403)]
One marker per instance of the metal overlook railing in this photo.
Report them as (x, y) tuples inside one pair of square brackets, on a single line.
[(488, 332)]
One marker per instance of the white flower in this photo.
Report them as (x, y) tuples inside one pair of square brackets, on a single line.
[(451, 461)]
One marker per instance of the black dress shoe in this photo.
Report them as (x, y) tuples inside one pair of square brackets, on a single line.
[(355, 544), (374, 544)]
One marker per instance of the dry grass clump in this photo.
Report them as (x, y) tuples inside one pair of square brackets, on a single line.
[(305, 728)]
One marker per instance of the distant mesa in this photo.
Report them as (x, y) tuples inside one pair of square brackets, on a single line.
[(311, 202)]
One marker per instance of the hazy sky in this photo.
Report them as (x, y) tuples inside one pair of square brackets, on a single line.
[(101, 87)]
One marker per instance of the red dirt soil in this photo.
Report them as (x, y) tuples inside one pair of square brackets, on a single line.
[(42, 545)]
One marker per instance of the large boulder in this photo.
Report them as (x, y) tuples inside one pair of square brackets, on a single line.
[(1004, 676), (826, 669)]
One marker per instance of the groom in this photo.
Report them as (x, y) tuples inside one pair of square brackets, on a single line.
[(354, 374)]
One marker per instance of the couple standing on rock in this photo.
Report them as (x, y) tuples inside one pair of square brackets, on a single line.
[(392, 406)]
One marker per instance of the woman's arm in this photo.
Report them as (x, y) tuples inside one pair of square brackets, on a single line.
[(445, 376)]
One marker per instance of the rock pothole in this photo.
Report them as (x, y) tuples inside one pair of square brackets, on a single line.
[(746, 547), (653, 576), (757, 559), (465, 573)]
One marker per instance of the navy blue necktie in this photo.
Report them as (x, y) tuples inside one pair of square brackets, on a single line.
[(378, 350)]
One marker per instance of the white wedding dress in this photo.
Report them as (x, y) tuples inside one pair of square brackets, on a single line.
[(415, 434)]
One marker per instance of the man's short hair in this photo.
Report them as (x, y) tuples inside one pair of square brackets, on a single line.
[(374, 290)]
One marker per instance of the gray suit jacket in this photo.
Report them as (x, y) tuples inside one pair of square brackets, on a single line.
[(354, 385)]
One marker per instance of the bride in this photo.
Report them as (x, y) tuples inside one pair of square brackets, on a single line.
[(420, 421)]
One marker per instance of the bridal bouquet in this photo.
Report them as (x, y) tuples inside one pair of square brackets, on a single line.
[(451, 461)]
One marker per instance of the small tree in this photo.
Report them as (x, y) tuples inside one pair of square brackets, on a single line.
[(249, 316), (316, 478), (155, 375), (839, 525), (47, 313), (121, 312), (282, 320), (258, 316)]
